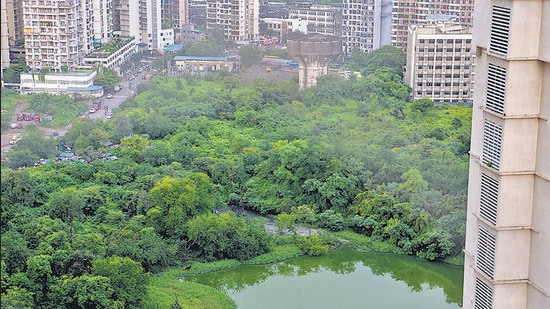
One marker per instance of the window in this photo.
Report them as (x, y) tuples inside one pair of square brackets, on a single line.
[(489, 198), (496, 83), (500, 28), (485, 260), (483, 295), (492, 144)]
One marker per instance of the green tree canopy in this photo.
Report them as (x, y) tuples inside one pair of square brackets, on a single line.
[(127, 279), (108, 79), (385, 56)]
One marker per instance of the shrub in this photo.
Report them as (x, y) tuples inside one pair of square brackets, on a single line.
[(331, 220), (313, 245)]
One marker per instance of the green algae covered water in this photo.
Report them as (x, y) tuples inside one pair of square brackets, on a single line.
[(342, 279)]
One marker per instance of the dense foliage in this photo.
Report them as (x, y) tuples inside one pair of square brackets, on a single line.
[(345, 154)]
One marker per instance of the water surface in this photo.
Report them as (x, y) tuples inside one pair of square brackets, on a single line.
[(342, 279)]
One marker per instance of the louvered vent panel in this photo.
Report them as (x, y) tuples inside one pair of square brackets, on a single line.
[(484, 295), (500, 29), (489, 198), (496, 84), (492, 144), (485, 260)]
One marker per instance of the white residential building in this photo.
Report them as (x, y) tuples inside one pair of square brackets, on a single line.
[(281, 27), (102, 22), (140, 19), (507, 254), (366, 24), (405, 13), (439, 62), (239, 20), (56, 32)]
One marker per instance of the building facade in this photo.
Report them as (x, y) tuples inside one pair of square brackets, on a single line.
[(199, 65), (281, 26), (197, 12), (14, 20), (507, 250), (111, 60), (405, 13), (56, 33), (59, 33), (322, 19), (102, 22), (141, 19), (239, 20), (440, 62), (4, 39), (61, 83), (366, 24)]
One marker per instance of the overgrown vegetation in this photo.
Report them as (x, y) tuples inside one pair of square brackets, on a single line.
[(343, 155)]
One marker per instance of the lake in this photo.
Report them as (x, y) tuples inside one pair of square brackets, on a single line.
[(343, 278)]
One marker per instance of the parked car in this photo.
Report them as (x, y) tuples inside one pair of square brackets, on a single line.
[(15, 139), (109, 96), (92, 110)]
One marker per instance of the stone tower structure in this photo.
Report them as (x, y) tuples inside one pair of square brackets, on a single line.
[(313, 53)]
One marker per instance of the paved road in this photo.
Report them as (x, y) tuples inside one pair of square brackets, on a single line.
[(127, 86)]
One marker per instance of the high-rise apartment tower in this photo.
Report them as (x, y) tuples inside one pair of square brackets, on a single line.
[(239, 20), (507, 254), (406, 13), (57, 32), (366, 24)]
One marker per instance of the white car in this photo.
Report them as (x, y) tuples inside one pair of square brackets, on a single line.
[(15, 139), (109, 96), (92, 110)]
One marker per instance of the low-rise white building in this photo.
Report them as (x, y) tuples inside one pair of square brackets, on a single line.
[(203, 64), (166, 38), (282, 26), (322, 19), (111, 59), (61, 83)]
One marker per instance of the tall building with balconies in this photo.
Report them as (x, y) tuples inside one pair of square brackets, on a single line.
[(439, 62), (4, 46), (507, 250), (239, 20), (407, 13), (366, 24), (14, 20), (57, 33), (102, 20), (140, 19)]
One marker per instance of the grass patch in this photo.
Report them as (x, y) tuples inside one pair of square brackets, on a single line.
[(365, 243), (278, 254), (198, 268), (63, 108), (164, 289)]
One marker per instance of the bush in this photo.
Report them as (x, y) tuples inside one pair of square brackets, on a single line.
[(313, 245), (432, 245), (332, 221)]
